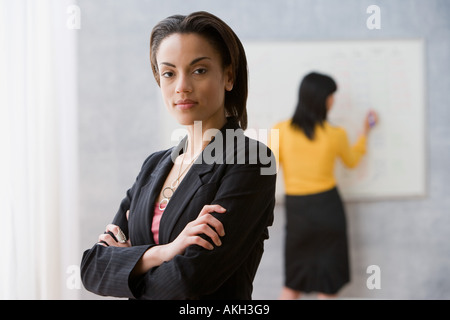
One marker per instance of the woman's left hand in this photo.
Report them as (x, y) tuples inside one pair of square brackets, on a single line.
[(120, 240), (107, 240)]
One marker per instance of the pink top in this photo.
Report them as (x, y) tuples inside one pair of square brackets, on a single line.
[(157, 214)]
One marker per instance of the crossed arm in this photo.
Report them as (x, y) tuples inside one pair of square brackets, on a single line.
[(204, 224), (189, 266)]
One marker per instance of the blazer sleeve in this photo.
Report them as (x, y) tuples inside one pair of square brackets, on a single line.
[(106, 270), (249, 198)]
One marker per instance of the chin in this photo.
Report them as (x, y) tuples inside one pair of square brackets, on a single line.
[(185, 120)]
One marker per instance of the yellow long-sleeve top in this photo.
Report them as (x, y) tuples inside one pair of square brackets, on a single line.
[(308, 165)]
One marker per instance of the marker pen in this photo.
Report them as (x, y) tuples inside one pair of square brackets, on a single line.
[(371, 119)]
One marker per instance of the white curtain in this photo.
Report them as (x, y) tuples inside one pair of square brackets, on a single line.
[(38, 151)]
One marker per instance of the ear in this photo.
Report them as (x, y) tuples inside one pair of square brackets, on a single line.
[(229, 78)]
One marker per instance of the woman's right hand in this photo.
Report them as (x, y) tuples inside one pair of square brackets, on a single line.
[(205, 224)]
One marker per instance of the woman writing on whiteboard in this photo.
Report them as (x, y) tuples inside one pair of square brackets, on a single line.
[(316, 249)]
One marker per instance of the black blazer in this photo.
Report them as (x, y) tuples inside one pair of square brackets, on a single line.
[(243, 188)]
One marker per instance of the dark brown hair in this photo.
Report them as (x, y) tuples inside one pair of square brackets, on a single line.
[(224, 40), (311, 109)]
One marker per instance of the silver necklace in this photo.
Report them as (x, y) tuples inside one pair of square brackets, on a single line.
[(168, 191)]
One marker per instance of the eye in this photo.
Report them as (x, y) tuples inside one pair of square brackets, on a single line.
[(167, 74), (200, 71)]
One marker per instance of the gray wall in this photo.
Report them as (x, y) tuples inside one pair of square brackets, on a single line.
[(119, 110)]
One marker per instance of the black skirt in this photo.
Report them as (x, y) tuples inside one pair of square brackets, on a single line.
[(316, 247)]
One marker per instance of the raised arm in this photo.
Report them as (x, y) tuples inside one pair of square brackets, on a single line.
[(352, 154)]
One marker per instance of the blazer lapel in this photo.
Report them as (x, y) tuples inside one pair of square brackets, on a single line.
[(180, 199), (146, 206), (192, 181), (157, 179)]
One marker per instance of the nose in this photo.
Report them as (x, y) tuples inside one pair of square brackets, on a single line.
[(183, 84)]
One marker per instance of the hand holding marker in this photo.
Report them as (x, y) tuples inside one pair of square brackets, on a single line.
[(371, 121), (371, 118)]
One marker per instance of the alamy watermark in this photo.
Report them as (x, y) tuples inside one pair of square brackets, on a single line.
[(233, 147), (374, 280), (374, 20), (74, 19), (73, 281)]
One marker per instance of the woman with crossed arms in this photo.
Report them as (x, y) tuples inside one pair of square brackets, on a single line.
[(190, 228)]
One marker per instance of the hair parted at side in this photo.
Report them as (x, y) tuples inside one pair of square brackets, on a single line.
[(311, 107), (224, 40)]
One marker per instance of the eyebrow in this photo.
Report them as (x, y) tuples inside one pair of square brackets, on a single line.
[(192, 62)]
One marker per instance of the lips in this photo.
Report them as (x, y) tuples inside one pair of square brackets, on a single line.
[(185, 104)]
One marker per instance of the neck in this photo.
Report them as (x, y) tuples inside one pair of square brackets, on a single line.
[(200, 134)]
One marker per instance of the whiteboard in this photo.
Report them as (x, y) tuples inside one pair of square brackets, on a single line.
[(385, 75)]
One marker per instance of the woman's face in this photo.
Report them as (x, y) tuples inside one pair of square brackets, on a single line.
[(193, 80)]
